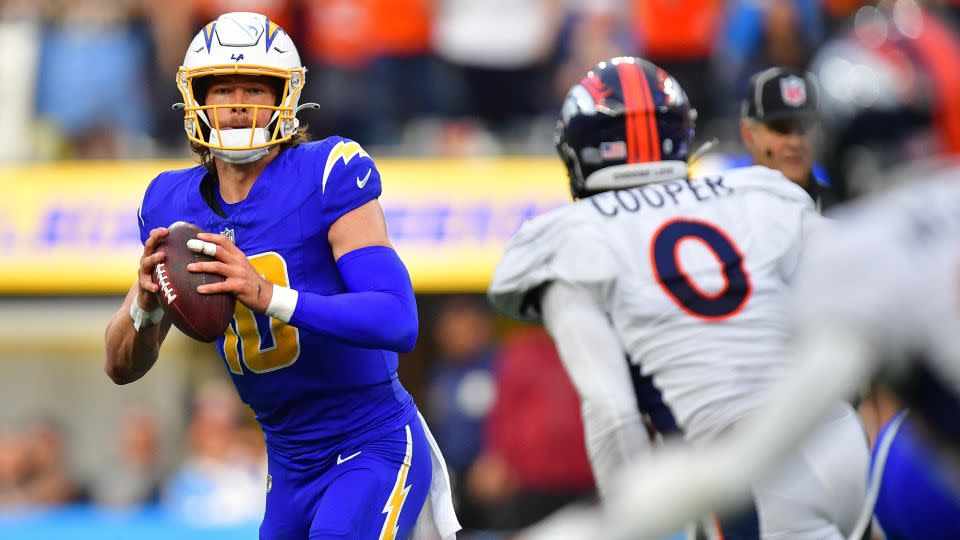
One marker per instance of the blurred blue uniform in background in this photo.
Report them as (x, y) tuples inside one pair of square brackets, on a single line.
[(915, 501)]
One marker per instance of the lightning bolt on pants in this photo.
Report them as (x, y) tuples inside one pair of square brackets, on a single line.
[(372, 490)]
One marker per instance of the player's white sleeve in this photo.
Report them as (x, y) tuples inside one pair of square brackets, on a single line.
[(660, 494), (557, 246), (598, 367)]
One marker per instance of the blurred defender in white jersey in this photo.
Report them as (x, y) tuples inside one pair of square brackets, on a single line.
[(878, 299), (668, 296)]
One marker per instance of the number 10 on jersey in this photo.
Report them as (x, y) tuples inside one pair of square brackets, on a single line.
[(267, 344)]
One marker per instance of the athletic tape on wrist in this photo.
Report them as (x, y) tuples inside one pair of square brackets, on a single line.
[(282, 304)]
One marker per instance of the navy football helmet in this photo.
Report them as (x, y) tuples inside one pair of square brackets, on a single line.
[(891, 98), (625, 124)]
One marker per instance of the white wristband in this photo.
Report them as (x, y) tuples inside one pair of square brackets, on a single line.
[(282, 303), (144, 319)]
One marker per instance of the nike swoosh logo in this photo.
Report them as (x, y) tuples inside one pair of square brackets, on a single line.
[(361, 183), (348, 458)]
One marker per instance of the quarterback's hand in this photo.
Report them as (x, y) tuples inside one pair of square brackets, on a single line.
[(250, 288), (147, 299)]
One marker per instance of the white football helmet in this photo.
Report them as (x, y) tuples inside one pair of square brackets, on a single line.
[(241, 43)]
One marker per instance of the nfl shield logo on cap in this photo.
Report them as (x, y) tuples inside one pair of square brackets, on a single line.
[(793, 89)]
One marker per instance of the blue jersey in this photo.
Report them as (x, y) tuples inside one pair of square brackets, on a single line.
[(915, 500), (310, 392)]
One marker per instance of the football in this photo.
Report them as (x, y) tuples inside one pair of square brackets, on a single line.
[(203, 317)]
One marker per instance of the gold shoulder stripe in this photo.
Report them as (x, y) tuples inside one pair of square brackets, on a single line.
[(341, 151)]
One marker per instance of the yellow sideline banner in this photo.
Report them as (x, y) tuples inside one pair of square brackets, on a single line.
[(71, 228)]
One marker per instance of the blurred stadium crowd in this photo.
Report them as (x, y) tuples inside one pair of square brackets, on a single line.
[(94, 79), (499, 402)]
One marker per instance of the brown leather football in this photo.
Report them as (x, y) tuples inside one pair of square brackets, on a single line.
[(203, 317)]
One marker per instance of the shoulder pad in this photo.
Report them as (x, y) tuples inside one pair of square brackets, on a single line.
[(341, 150), (161, 196), (564, 244), (763, 179), (348, 177)]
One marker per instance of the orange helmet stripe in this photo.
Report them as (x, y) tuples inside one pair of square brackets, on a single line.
[(637, 102), (653, 134), (642, 132), (941, 54), (631, 100)]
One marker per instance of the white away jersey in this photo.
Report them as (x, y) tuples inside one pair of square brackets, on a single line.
[(694, 275), (892, 269)]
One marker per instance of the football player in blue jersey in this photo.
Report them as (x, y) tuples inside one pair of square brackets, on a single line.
[(324, 304)]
